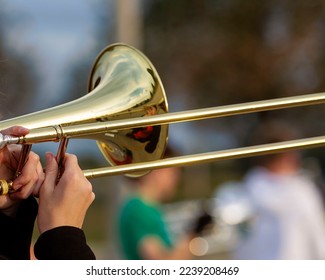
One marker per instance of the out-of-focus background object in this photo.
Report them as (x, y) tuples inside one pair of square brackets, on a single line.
[(208, 53)]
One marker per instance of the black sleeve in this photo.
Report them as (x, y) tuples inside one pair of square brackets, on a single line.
[(16, 233), (63, 243)]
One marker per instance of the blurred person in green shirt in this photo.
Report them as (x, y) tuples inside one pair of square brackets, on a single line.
[(143, 232)]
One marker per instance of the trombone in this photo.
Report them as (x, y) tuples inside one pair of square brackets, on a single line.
[(126, 112)]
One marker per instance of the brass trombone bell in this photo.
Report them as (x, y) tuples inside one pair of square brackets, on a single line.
[(123, 84)]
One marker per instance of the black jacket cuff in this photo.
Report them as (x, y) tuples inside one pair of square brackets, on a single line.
[(63, 243)]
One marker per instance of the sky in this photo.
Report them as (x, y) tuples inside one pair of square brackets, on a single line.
[(53, 33)]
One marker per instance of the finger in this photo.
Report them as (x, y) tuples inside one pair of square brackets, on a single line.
[(28, 175), (41, 177), (15, 131), (70, 159), (73, 177), (51, 173), (71, 165), (28, 182), (69, 170), (92, 198)]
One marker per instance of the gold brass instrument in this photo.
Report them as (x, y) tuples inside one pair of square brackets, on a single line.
[(123, 84), (126, 112)]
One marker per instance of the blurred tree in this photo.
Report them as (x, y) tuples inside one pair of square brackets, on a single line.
[(216, 52), (17, 77)]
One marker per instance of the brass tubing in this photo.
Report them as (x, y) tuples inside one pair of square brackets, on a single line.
[(208, 157), (198, 114), (55, 133)]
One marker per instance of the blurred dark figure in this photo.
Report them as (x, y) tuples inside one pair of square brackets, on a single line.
[(289, 217), (142, 231)]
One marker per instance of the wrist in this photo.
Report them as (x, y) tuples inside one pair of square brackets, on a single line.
[(52, 223)]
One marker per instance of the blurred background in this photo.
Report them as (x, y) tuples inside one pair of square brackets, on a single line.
[(208, 53)]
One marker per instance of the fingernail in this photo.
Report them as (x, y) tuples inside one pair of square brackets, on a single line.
[(48, 156), (17, 186), (22, 130)]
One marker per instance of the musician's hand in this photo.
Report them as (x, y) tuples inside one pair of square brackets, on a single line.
[(64, 203), (32, 176), (201, 222)]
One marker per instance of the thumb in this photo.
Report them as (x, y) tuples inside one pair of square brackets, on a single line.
[(51, 171), (15, 130)]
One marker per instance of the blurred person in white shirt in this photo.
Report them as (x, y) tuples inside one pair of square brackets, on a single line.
[(289, 221)]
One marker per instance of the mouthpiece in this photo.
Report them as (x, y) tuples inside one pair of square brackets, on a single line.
[(7, 139)]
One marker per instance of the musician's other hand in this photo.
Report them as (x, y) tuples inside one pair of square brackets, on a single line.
[(63, 203), (31, 178)]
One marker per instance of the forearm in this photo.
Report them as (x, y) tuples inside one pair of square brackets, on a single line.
[(182, 250), (153, 249)]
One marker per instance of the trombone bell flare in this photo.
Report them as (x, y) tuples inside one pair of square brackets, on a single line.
[(138, 92), (123, 84)]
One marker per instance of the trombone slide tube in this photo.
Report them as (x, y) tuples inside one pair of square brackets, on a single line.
[(200, 114), (193, 115), (208, 157), (36, 135), (57, 132)]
